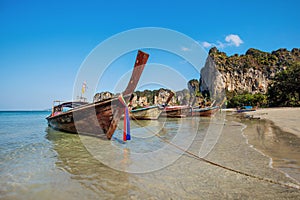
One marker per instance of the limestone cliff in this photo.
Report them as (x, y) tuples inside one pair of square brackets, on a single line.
[(102, 96), (156, 97), (250, 73)]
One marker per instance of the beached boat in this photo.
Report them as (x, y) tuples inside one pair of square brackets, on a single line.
[(150, 112), (205, 112), (98, 118), (176, 111), (246, 109)]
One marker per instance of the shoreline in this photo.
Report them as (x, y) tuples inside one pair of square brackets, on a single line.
[(277, 161), (285, 118), (275, 133)]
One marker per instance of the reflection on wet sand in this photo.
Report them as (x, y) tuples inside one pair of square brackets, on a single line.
[(185, 178), (282, 147), (76, 160)]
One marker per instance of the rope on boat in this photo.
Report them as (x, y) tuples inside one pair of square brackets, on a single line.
[(292, 185)]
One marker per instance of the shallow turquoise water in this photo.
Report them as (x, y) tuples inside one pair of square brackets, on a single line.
[(37, 162)]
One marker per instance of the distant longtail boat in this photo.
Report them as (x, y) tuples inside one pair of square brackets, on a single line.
[(246, 109), (150, 112), (176, 111), (204, 112)]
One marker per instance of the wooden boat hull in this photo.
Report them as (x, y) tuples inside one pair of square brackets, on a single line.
[(92, 119), (102, 117), (176, 111), (150, 113), (204, 112)]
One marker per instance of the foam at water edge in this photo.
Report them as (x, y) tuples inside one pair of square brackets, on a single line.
[(270, 158)]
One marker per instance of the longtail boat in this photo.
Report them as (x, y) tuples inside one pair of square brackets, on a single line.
[(97, 118), (147, 113), (205, 112), (246, 109), (150, 112), (176, 111)]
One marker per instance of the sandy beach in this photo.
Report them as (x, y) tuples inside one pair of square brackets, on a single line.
[(276, 134), (287, 119)]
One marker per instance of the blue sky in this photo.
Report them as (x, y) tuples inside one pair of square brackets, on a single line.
[(43, 43)]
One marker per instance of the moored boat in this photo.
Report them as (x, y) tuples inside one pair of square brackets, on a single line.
[(98, 118), (176, 111), (150, 112), (246, 109), (205, 112)]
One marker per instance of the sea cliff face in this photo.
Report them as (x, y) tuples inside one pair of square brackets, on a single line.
[(102, 96), (250, 73)]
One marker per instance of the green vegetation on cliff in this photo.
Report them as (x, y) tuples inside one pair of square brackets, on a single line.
[(238, 100), (256, 59), (284, 89)]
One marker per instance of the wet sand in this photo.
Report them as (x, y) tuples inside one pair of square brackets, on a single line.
[(187, 177), (287, 119), (276, 134)]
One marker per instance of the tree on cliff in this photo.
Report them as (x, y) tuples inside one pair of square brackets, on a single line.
[(284, 89), (243, 99)]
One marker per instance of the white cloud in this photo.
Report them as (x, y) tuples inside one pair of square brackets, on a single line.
[(233, 40), (206, 44), (230, 40)]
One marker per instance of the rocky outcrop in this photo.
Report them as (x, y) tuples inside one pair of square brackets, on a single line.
[(102, 96), (212, 84), (156, 97), (250, 73)]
